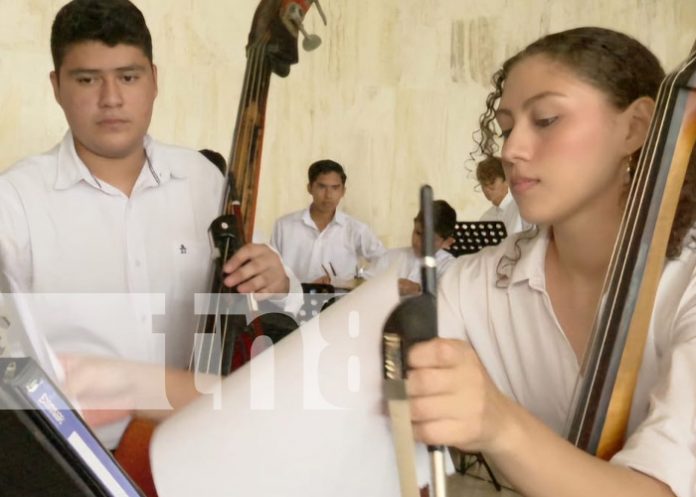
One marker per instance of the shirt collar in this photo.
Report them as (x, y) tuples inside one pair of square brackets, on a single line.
[(506, 200), (339, 218), (71, 169), (161, 165), (530, 266)]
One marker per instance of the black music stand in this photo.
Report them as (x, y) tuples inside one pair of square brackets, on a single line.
[(46, 447), (467, 460), (472, 236), (317, 297)]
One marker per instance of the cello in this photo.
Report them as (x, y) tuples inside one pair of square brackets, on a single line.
[(272, 48)]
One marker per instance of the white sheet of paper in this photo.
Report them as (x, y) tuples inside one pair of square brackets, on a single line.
[(23, 337), (296, 421)]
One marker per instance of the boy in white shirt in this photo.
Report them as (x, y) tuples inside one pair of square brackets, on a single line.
[(409, 258), (491, 177)]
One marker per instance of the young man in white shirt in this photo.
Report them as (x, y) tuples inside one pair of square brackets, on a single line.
[(322, 244), (408, 258), (109, 228), (491, 177)]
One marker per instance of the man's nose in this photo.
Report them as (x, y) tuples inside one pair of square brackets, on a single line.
[(111, 94)]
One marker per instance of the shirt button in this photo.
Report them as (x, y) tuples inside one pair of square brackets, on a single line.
[(137, 263)]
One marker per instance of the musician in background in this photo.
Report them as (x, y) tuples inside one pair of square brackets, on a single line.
[(573, 110), (409, 258), (321, 244), (491, 177), (215, 157), (111, 215)]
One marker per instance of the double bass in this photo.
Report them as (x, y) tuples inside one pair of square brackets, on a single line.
[(661, 192), (226, 342)]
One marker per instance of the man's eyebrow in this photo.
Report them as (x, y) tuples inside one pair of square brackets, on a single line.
[(86, 70), (530, 101)]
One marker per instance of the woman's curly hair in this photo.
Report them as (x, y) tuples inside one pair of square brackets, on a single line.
[(618, 65)]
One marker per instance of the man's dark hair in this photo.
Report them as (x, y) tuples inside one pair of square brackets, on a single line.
[(109, 21), (444, 218), (323, 167)]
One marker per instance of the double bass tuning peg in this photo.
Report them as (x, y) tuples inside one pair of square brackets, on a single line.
[(311, 41)]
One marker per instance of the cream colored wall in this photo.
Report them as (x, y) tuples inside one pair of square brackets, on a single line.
[(394, 92)]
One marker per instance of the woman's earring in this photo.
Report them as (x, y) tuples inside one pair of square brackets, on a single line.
[(630, 169)]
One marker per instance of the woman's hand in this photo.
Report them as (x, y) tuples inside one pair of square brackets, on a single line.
[(453, 400)]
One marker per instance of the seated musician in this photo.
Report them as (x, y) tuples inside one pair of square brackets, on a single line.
[(111, 213), (408, 258), (573, 110), (322, 244), (491, 178)]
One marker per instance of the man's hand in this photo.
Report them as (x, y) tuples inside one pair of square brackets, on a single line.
[(108, 389), (256, 268)]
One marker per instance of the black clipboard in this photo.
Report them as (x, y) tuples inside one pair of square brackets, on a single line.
[(46, 447)]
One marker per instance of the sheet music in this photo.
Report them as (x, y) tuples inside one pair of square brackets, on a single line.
[(299, 420)]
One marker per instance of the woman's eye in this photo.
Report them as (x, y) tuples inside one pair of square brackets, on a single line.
[(504, 133), (543, 123)]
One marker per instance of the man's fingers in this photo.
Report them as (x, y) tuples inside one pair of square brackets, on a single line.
[(256, 269)]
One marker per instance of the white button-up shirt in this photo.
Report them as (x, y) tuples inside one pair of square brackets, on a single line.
[(100, 253), (522, 346), (408, 263), (508, 213), (311, 253)]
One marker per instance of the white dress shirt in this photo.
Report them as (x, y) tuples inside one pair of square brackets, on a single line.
[(522, 346), (62, 231), (508, 213), (409, 264), (311, 253), (111, 275)]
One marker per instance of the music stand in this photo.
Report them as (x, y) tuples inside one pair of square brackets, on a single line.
[(46, 447), (472, 236), (317, 297), (467, 460)]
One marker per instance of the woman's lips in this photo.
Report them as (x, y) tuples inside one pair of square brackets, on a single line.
[(521, 185)]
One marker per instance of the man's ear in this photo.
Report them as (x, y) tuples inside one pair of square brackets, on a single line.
[(154, 77), (638, 116), (309, 188), (56, 86)]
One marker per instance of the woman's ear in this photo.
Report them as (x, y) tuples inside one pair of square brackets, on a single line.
[(638, 114)]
